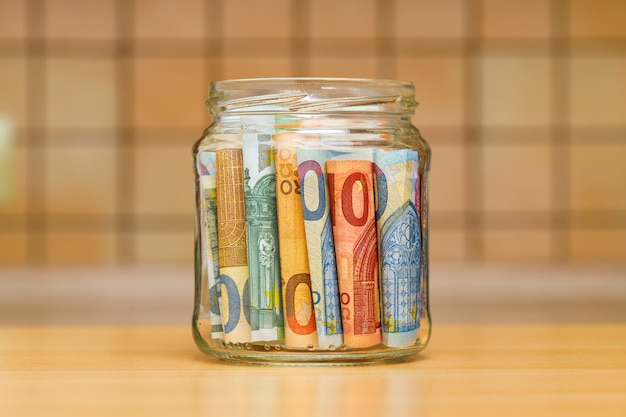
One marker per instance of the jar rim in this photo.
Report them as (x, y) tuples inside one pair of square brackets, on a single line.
[(311, 95), (238, 82)]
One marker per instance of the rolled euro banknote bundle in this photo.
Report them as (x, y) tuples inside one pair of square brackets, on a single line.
[(399, 237), (300, 326), (350, 184), (320, 245), (232, 250), (210, 273), (266, 313), (313, 246)]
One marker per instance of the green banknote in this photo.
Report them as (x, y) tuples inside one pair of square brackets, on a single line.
[(210, 298), (266, 318)]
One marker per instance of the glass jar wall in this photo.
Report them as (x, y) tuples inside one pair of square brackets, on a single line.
[(311, 223)]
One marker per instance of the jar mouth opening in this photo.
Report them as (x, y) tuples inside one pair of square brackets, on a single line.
[(323, 81), (311, 95)]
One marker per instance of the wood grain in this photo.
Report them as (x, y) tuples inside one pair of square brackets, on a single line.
[(489, 370)]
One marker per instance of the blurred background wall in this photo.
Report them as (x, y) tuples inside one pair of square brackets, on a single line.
[(523, 102)]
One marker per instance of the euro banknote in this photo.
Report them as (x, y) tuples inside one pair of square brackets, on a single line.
[(232, 250), (300, 327), (211, 298), (266, 317), (399, 236), (320, 245), (350, 184)]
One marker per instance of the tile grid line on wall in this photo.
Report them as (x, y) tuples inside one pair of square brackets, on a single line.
[(213, 41), (35, 219), (560, 53), (177, 49), (473, 217), (386, 51), (299, 48), (125, 225)]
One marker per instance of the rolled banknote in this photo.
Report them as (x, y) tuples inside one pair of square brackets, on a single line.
[(266, 312), (422, 216), (320, 245), (399, 237), (422, 212), (300, 328), (350, 184), (210, 299), (232, 251)]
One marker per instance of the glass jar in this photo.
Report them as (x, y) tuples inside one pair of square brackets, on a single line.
[(311, 223)]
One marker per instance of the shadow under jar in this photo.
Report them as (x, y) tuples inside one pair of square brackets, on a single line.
[(311, 223)]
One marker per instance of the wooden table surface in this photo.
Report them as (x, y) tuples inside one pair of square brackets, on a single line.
[(467, 370)]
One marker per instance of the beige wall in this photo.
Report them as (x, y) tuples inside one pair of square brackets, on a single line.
[(523, 101)]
